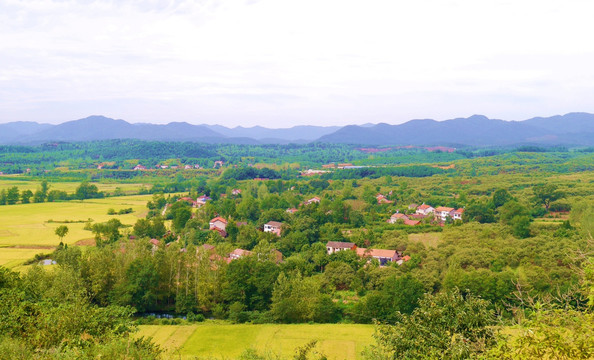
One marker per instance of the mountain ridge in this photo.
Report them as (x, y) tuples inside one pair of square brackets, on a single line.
[(477, 130)]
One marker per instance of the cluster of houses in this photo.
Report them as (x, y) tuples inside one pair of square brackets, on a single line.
[(383, 256), (236, 254), (439, 214), (219, 224), (217, 164)]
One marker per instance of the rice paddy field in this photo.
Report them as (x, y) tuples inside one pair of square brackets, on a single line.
[(213, 340)]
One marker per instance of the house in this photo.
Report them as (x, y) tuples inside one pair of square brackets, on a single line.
[(335, 246), (314, 199), (291, 210), (398, 216), (425, 209), (218, 223), (239, 253), (202, 200), (442, 212), (139, 167), (383, 256), (188, 167), (236, 192), (413, 206), (457, 214), (164, 166), (342, 166), (218, 163), (273, 227), (381, 199), (329, 166)]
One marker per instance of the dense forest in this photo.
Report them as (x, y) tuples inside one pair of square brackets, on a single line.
[(520, 256)]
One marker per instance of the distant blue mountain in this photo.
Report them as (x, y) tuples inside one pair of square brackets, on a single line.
[(477, 130)]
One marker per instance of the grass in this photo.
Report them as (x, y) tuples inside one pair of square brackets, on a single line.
[(428, 239), (69, 187), (11, 257), (337, 341), (25, 230)]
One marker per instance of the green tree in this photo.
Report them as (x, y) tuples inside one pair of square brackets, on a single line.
[(87, 191), (500, 197), (294, 298), (444, 326), (61, 231), (12, 195), (26, 196), (180, 218), (545, 194)]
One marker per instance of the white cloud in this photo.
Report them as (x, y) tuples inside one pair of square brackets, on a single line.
[(284, 62)]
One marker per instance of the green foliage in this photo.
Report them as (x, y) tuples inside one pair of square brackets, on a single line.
[(445, 326), (61, 231), (547, 193), (549, 334)]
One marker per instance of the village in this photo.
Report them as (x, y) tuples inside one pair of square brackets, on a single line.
[(416, 214)]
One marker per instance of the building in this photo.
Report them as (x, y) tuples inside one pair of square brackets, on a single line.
[(202, 200), (425, 209), (236, 192), (273, 227), (218, 222), (383, 256), (291, 210), (335, 246), (381, 199), (442, 212), (314, 199), (398, 216), (457, 214), (239, 253), (139, 167)]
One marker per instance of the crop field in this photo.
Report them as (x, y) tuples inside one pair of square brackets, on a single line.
[(70, 187), (225, 341), (28, 229)]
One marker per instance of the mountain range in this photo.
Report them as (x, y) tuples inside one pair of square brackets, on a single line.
[(477, 130)]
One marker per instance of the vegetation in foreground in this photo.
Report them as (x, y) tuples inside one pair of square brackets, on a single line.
[(521, 260)]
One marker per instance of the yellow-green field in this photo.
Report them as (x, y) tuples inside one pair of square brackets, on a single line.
[(25, 230), (337, 341), (70, 187)]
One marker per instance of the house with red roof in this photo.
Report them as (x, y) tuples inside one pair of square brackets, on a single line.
[(425, 209), (443, 212), (398, 216), (383, 256), (457, 214), (218, 223)]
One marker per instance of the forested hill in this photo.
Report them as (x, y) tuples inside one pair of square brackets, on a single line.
[(570, 129)]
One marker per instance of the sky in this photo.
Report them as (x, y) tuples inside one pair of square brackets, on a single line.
[(279, 63)]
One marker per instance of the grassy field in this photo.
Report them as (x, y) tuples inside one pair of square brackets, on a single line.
[(25, 229), (337, 341), (70, 187), (428, 239)]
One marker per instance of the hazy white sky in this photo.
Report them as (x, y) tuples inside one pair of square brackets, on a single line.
[(279, 63)]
